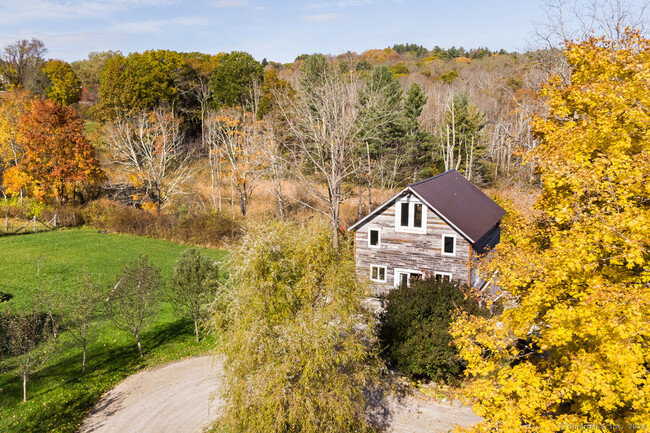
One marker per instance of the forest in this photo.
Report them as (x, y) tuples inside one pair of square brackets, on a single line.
[(226, 132)]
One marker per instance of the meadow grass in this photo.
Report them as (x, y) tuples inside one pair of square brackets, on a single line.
[(59, 394)]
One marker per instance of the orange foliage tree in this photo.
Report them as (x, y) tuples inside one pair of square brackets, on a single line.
[(57, 156), (12, 106)]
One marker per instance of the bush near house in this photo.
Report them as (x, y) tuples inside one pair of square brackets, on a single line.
[(414, 329)]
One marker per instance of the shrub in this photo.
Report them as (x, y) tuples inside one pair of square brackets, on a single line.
[(414, 329), (448, 77), (209, 228), (194, 284)]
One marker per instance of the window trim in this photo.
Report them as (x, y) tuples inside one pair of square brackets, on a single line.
[(411, 200), (385, 273), (442, 274), (378, 230), (398, 271), (442, 245)]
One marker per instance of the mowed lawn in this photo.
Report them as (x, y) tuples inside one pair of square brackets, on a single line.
[(59, 394)]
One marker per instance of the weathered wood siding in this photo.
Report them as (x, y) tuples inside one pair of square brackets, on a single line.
[(413, 251)]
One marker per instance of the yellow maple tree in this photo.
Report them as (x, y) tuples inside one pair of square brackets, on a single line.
[(574, 350)]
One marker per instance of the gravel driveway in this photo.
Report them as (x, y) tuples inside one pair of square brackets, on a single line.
[(173, 398), (179, 398)]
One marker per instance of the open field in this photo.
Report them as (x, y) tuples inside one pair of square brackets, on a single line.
[(59, 395)]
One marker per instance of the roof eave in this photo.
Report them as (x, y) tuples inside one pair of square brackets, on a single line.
[(363, 220)]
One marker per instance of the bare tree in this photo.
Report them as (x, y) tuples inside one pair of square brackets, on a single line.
[(328, 128), (580, 19), (135, 299), (231, 135), (20, 62), (28, 340), (82, 307), (273, 166), (149, 147)]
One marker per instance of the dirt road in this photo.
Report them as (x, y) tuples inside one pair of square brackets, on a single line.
[(173, 398), (179, 398)]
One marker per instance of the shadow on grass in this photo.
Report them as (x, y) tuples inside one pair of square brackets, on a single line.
[(61, 395)]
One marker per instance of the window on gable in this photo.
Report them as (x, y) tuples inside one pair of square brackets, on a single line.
[(404, 218), (373, 238), (417, 215), (449, 245), (410, 216), (378, 273)]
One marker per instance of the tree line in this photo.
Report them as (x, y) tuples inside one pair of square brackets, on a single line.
[(161, 117)]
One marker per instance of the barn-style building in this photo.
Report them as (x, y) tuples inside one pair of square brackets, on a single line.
[(433, 228)]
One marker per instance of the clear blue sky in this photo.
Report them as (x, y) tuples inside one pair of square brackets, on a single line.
[(278, 30)]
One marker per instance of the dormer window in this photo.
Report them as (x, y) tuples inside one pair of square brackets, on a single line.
[(411, 216)]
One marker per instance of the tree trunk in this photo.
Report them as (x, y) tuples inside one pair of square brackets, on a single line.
[(278, 194), (243, 199), (335, 216), (137, 337), (83, 359), (196, 329), (360, 202), (24, 386)]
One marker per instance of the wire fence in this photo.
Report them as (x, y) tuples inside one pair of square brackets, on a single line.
[(33, 225)]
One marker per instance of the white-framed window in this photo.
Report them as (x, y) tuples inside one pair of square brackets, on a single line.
[(410, 215), (405, 276), (448, 245), (442, 276), (378, 273), (374, 237)]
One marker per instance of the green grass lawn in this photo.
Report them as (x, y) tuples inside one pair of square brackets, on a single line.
[(59, 394)]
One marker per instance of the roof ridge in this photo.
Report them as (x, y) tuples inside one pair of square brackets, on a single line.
[(432, 177)]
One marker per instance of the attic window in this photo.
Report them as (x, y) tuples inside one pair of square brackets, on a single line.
[(417, 215), (448, 245), (404, 218), (410, 216)]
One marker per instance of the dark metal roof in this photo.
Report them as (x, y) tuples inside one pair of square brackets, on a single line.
[(460, 202)]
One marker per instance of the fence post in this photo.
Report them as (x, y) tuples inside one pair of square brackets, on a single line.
[(34, 223)]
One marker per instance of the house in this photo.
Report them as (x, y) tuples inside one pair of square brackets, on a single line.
[(433, 228)]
